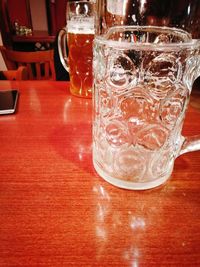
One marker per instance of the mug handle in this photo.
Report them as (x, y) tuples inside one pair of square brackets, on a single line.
[(190, 144), (62, 48)]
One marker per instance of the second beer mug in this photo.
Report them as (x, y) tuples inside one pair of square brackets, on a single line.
[(80, 36)]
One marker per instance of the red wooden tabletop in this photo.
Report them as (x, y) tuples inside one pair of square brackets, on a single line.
[(56, 211)]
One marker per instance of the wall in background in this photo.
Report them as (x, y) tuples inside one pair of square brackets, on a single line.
[(2, 64), (38, 15)]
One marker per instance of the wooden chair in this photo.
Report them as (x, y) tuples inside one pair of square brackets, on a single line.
[(12, 75), (39, 64)]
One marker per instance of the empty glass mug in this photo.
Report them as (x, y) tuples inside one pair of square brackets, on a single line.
[(143, 77), (79, 35)]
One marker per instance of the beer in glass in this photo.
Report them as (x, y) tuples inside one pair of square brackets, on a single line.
[(80, 36)]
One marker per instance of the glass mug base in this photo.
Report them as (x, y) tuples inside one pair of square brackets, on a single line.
[(81, 92), (130, 184)]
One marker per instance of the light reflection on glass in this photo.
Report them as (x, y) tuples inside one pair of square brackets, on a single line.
[(142, 6), (189, 9)]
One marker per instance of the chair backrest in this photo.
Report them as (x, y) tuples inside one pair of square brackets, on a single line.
[(39, 64), (12, 75)]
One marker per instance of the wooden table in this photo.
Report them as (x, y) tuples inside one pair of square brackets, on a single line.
[(56, 211)]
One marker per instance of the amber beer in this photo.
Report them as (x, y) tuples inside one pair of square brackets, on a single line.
[(80, 44)]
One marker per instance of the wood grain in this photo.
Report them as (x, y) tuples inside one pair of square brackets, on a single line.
[(56, 211)]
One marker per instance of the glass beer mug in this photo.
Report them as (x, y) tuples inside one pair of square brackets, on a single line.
[(79, 35), (144, 69)]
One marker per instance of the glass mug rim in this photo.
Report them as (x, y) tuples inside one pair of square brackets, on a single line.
[(78, 2), (188, 43)]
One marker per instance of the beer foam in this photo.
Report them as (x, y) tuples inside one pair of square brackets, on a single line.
[(81, 25)]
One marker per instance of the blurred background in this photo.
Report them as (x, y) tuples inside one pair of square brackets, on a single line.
[(31, 25)]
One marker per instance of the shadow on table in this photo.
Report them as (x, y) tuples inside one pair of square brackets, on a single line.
[(74, 143)]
